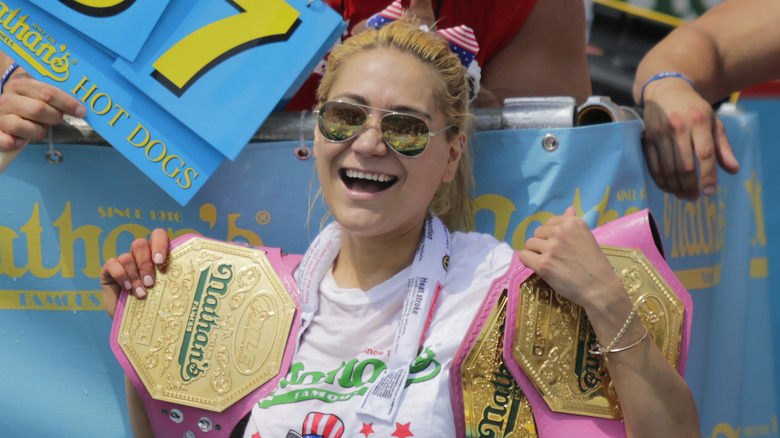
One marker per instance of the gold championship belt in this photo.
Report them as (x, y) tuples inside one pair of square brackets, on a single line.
[(553, 337), (547, 382), (214, 334), (493, 403)]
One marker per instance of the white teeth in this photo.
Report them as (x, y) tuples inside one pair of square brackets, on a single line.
[(371, 176)]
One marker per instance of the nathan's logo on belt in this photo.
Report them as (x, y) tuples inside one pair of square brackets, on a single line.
[(34, 45), (588, 367), (203, 316)]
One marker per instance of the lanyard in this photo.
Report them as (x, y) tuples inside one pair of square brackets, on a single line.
[(428, 271)]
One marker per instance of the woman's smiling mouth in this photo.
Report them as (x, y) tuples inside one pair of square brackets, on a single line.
[(366, 181)]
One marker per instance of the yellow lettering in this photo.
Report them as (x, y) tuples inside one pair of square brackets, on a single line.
[(519, 236), (109, 246), (502, 209), (177, 169), (162, 154), (189, 175), (119, 113), (135, 132), (35, 248), (605, 215), (234, 231), (7, 265), (726, 431), (753, 187), (88, 234), (97, 97), (80, 86), (198, 52)]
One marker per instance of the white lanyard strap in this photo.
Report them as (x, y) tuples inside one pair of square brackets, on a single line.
[(428, 271)]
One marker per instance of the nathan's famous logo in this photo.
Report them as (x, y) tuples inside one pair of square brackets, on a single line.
[(348, 380), (203, 317), (33, 44)]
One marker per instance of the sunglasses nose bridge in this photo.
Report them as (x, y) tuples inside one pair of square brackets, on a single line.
[(370, 140)]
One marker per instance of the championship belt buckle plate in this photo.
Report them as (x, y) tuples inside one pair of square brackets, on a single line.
[(214, 334), (553, 336)]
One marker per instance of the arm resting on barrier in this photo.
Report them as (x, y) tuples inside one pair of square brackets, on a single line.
[(734, 45)]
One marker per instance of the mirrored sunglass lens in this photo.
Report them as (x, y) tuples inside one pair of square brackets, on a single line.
[(406, 134), (340, 121)]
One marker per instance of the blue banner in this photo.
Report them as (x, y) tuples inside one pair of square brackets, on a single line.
[(57, 235)]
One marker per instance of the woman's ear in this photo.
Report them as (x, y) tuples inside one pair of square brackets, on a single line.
[(456, 146)]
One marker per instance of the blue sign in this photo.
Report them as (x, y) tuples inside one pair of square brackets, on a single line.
[(168, 134), (221, 67), (121, 26)]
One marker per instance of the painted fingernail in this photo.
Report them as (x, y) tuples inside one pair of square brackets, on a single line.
[(158, 258), (140, 292), (128, 286), (148, 281), (709, 190)]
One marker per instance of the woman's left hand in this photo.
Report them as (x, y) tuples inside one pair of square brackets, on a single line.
[(565, 254)]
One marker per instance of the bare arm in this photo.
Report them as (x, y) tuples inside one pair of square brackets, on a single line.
[(545, 58), (734, 45), (565, 254)]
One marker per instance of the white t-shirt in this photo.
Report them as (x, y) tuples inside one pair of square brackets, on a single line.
[(346, 347)]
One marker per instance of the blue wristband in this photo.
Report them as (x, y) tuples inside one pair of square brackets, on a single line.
[(11, 68), (666, 74)]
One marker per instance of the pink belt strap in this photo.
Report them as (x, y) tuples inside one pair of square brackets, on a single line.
[(637, 231)]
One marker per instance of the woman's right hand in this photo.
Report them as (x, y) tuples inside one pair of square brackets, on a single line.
[(134, 270)]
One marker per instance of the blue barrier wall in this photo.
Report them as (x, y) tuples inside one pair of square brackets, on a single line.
[(60, 222)]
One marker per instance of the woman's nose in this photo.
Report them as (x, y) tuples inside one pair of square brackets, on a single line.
[(370, 141)]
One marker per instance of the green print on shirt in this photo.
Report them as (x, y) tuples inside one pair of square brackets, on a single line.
[(349, 375)]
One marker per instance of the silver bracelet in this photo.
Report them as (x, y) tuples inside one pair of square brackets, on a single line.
[(616, 350), (597, 349)]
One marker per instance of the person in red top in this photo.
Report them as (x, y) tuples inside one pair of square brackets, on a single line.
[(526, 47)]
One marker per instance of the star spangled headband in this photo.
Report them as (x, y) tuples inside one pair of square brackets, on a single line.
[(460, 38)]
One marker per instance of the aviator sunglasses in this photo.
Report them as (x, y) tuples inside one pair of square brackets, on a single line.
[(406, 134)]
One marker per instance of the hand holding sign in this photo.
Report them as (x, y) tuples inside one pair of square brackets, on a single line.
[(27, 108)]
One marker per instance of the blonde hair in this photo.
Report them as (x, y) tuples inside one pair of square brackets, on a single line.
[(452, 201)]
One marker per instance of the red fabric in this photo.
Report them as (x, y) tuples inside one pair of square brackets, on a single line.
[(766, 89), (494, 22)]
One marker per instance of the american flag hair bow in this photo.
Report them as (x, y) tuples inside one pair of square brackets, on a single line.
[(387, 15), (462, 42), (460, 38)]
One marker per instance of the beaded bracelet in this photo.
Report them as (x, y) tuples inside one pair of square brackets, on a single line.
[(8, 72), (597, 349), (666, 74)]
